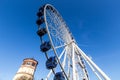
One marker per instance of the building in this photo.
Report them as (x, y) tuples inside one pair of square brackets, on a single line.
[(26, 70)]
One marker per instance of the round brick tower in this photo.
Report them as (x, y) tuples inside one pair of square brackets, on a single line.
[(27, 70)]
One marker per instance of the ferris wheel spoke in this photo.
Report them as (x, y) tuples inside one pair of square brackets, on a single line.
[(55, 33), (60, 27), (61, 46), (53, 19)]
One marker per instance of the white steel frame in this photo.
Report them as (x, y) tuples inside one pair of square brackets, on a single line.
[(69, 56)]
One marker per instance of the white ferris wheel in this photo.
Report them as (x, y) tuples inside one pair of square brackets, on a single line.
[(64, 59)]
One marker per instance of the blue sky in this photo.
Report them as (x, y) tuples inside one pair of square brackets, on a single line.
[(95, 25)]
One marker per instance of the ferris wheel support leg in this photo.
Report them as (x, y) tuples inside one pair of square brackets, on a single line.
[(68, 70), (83, 68), (77, 77), (48, 75), (73, 62), (92, 63), (94, 70), (64, 60)]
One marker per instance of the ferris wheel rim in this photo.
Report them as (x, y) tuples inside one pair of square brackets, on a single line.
[(50, 38), (48, 31)]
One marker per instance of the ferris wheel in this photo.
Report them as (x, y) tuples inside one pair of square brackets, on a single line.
[(64, 59)]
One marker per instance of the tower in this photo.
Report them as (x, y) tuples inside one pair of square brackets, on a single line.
[(26, 70)]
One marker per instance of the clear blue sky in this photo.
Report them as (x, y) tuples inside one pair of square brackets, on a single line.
[(95, 25)]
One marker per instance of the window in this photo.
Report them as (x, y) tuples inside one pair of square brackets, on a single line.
[(33, 64), (29, 63)]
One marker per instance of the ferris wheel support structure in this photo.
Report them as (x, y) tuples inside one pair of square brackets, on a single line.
[(92, 64)]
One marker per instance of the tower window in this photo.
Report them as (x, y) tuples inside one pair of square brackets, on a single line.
[(29, 63), (33, 64)]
